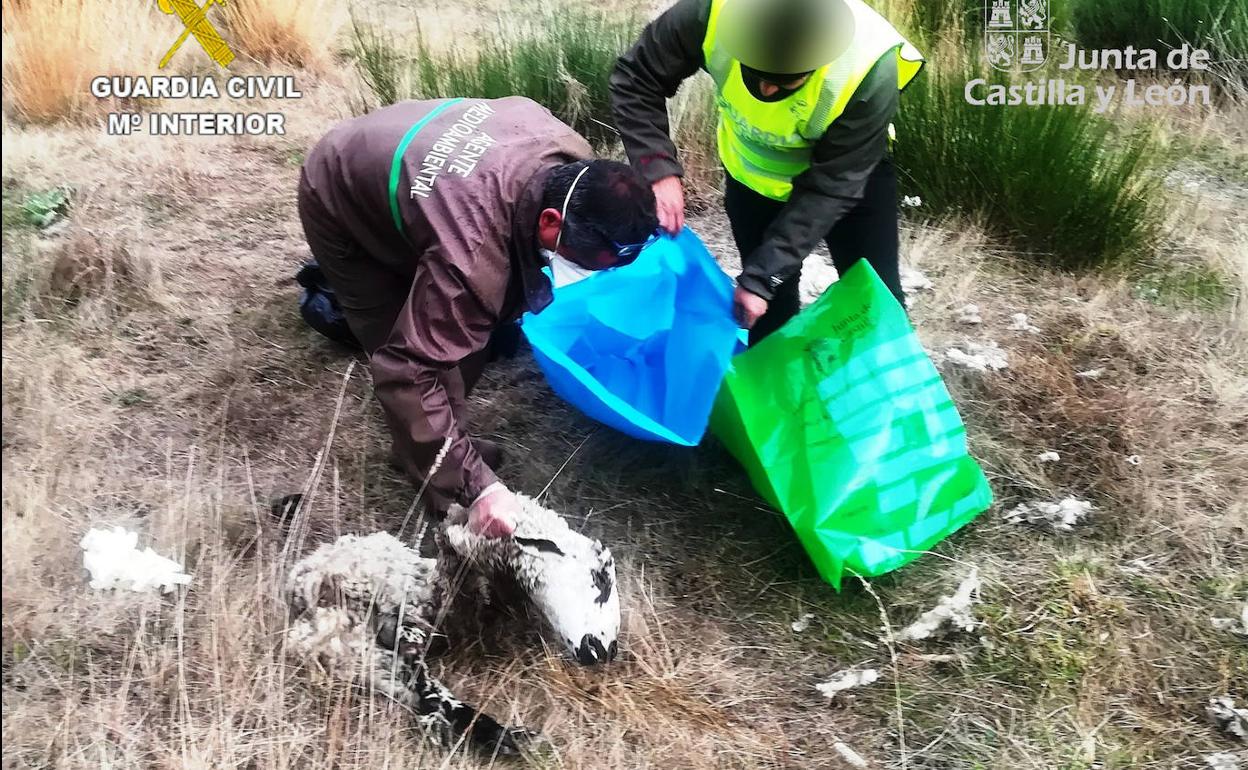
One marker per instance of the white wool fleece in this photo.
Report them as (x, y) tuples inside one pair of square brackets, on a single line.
[(332, 589)]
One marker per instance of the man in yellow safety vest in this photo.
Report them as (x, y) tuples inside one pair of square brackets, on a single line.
[(806, 92)]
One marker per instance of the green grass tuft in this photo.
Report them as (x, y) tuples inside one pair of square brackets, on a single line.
[(1219, 26), (378, 61), (558, 59), (18, 273), (1185, 284), (43, 209), (1060, 182)]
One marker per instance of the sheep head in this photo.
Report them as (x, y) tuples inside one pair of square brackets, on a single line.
[(567, 576)]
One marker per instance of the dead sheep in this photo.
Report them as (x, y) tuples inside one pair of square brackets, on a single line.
[(366, 608)]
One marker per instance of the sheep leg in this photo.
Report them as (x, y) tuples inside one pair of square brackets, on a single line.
[(402, 675)]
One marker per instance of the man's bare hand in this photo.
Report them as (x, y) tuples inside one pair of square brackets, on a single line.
[(669, 198), (747, 307), (493, 514)]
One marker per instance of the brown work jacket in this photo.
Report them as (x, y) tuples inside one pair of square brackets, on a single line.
[(449, 221)]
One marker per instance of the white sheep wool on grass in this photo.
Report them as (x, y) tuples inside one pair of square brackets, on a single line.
[(1060, 516), (913, 280), (978, 357), (1227, 717), (847, 680), (969, 314), (951, 612), (1222, 760), (818, 274), (1237, 626), (113, 558), (366, 608), (1019, 322)]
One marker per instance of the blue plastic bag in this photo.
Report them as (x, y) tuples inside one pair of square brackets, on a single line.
[(642, 348)]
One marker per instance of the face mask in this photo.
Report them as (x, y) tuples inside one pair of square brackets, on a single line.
[(564, 271), (753, 83)]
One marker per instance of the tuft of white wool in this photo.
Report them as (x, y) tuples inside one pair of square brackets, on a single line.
[(1222, 760), (1049, 457), (1227, 718), (913, 280), (573, 583), (847, 680), (953, 611), (802, 623), (1238, 627), (969, 314), (817, 276), (977, 357), (113, 558), (851, 757), (1061, 516), (1019, 322)]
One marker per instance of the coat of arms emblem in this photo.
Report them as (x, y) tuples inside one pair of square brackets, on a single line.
[(1016, 34)]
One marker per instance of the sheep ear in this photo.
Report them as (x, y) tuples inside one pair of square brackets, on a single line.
[(541, 544)]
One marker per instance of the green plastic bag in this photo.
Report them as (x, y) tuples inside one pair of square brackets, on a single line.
[(844, 425)]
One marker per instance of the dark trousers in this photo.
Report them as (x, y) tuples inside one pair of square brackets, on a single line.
[(370, 294), (868, 230)]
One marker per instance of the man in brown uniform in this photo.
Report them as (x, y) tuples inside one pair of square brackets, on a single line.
[(432, 221)]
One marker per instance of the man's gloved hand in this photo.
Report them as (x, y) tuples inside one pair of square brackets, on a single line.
[(493, 513), (747, 307), (669, 199)]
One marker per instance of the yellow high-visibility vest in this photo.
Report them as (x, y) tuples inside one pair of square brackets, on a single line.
[(763, 145)]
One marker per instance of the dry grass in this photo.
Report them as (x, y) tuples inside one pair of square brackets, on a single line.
[(693, 118), (299, 33), (52, 51)]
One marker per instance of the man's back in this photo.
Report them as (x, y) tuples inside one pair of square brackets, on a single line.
[(465, 165)]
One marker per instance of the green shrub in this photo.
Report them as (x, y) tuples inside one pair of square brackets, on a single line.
[(378, 61), (559, 59), (1221, 26), (1061, 181)]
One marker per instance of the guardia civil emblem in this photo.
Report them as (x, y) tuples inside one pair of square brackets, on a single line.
[(1016, 34)]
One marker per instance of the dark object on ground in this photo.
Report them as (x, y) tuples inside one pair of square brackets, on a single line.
[(505, 341), (319, 306), (284, 509)]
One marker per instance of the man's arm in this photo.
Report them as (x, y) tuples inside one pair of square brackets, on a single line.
[(834, 183), (646, 76), (417, 379)]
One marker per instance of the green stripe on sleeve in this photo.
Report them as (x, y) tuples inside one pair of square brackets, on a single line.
[(397, 163)]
